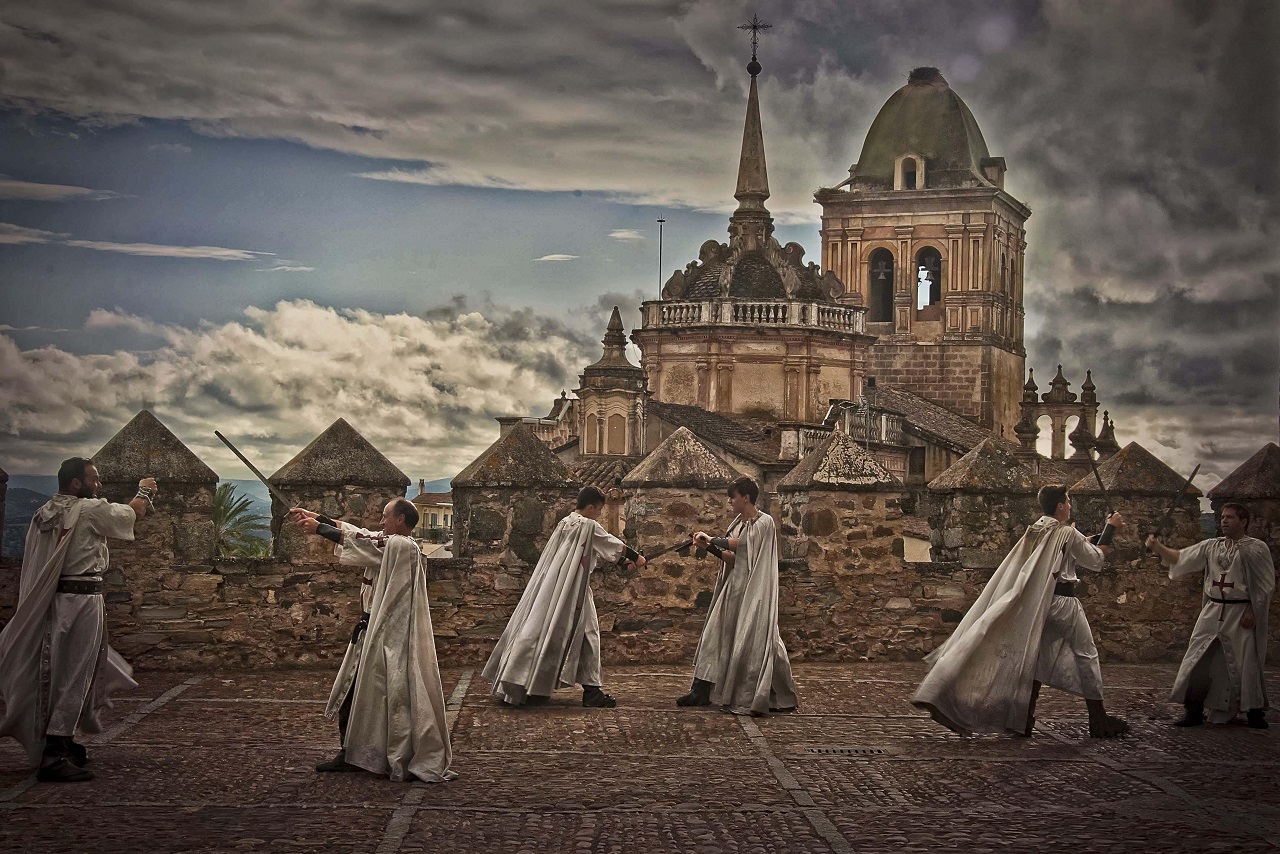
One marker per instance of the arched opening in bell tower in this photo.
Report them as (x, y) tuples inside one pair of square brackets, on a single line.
[(928, 277), (881, 278)]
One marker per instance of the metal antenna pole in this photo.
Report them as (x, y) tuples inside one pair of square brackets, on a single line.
[(660, 223)]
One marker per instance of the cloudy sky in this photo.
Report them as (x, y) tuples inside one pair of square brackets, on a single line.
[(257, 217)]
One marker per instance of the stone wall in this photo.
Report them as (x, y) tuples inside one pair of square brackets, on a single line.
[(977, 530), (983, 383), (845, 591)]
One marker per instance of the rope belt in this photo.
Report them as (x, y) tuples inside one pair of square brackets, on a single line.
[(1064, 588), (80, 586)]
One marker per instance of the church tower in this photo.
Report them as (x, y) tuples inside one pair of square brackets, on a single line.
[(924, 235)]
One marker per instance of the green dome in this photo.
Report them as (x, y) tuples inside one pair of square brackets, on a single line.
[(925, 117)]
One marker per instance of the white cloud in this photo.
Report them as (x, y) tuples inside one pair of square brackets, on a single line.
[(557, 256), (425, 391), (288, 268), (626, 234), (12, 188), (159, 250), (18, 235)]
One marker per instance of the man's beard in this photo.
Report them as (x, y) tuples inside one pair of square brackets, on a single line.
[(86, 491)]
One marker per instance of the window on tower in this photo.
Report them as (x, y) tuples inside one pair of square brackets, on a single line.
[(928, 277), (909, 174), (881, 278)]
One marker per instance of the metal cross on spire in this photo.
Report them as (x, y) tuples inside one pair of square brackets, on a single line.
[(756, 25)]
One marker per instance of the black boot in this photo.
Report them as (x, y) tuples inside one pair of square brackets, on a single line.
[(338, 763), (79, 755), (1031, 710), (56, 765), (594, 698), (1194, 715), (699, 694), (1257, 718)]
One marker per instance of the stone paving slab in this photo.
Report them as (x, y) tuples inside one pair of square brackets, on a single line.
[(127, 774), (190, 721), (575, 781), (1071, 828), (675, 832), (144, 828), (565, 725), (952, 782), (1151, 741)]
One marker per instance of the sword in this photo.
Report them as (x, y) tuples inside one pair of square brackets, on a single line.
[(1106, 499), (1173, 505), (677, 547), (274, 494)]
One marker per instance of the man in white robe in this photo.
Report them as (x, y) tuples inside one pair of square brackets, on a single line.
[(1222, 669), (553, 637), (741, 662), (1027, 629), (388, 696), (56, 670)]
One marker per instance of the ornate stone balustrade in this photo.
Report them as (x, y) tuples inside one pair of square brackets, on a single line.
[(767, 313), (865, 425)]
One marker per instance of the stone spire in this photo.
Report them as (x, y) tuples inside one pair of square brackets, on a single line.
[(1059, 390), (751, 226), (1106, 443), (614, 369), (753, 177)]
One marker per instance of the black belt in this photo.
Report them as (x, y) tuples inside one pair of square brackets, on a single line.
[(360, 627), (81, 586), (1064, 588), (1230, 601)]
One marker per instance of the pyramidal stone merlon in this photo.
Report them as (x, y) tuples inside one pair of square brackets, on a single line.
[(145, 447), (340, 456)]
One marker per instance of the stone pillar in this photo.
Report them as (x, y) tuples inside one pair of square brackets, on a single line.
[(982, 505), (844, 590), (4, 488)]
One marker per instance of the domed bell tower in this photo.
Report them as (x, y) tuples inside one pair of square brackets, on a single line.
[(923, 233)]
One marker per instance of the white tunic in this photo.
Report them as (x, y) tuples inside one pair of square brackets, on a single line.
[(398, 725), (56, 670), (741, 650), (1236, 573), (553, 637), (1068, 656), (980, 679)]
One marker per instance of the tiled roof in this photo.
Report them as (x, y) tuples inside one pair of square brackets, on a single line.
[(738, 434), (146, 448), (1257, 477), (931, 420), (431, 498), (340, 455), (602, 472)]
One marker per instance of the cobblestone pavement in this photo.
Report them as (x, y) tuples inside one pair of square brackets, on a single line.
[(223, 762)]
